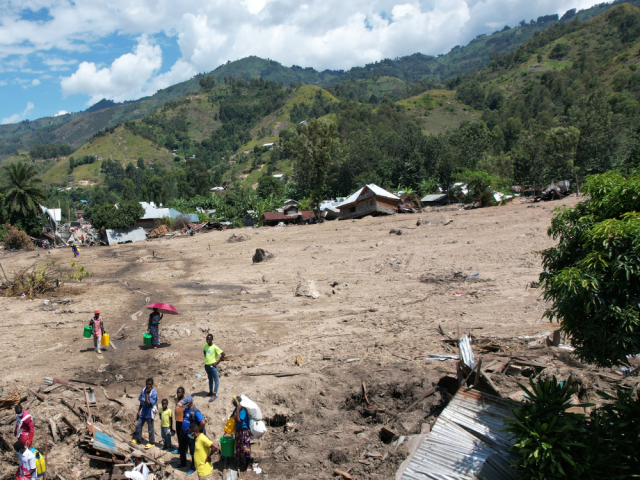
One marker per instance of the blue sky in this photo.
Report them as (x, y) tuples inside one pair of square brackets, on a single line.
[(63, 56)]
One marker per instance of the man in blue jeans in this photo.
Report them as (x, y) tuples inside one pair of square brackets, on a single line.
[(212, 357), (148, 402)]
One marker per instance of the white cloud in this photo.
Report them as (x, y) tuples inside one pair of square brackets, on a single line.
[(16, 117), (56, 64), (124, 79), (61, 112), (335, 34), (35, 82)]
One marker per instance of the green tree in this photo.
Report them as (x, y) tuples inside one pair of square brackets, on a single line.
[(111, 217), (314, 152), (268, 185), (560, 149), (480, 187), (128, 190), (592, 276), (23, 195), (141, 163)]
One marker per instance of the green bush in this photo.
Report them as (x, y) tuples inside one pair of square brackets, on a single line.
[(546, 434), (553, 443)]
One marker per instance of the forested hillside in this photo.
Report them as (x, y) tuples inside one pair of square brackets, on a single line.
[(393, 78), (563, 105)]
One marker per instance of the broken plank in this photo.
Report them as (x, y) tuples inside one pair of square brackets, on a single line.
[(66, 421), (54, 431), (112, 345), (70, 407), (343, 474), (102, 459), (51, 388), (111, 399), (40, 397), (119, 330)]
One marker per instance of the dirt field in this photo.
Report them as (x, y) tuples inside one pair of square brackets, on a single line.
[(381, 300)]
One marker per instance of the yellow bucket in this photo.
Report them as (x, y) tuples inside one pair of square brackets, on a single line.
[(105, 339)]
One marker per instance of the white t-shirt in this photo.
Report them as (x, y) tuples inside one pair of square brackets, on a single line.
[(27, 463)]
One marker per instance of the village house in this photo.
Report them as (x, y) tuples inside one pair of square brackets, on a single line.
[(153, 213), (369, 200), (438, 199)]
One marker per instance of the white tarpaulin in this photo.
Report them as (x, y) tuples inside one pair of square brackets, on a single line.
[(133, 234)]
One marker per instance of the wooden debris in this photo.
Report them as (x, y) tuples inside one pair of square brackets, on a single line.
[(111, 399), (298, 360), (343, 474), (102, 459), (51, 388), (112, 345), (54, 431), (38, 396), (69, 424), (70, 407)]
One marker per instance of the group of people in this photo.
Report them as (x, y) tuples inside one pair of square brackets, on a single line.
[(190, 430), (190, 424), (24, 432), (153, 327)]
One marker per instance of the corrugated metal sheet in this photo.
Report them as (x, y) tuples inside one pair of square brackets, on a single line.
[(466, 442), (102, 441), (133, 234), (436, 197), (376, 190)]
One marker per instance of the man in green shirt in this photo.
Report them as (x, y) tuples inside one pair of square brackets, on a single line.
[(212, 357)]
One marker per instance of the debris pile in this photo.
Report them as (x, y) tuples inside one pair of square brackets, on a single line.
[(75, 431)]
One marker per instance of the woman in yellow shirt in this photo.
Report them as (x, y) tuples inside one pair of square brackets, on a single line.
[(166, 426), (203, 452)]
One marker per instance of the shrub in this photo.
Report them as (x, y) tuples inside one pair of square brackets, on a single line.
[(14, 238), (553, 443)]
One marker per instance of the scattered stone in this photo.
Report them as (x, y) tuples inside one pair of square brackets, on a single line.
[(448, 222), (262, 255), (418, 223), (395, 231), (307, 288), (243, 237)]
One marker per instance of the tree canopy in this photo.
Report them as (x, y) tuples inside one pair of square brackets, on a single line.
[(592, 276)]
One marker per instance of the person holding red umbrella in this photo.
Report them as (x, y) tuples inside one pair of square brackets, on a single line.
[(155, 317)]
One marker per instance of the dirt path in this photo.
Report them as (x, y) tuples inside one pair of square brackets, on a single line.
[(382, 298)]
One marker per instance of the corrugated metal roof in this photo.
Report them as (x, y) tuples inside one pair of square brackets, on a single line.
[(134, 234), (276, 216), (378, 191), (436, 197), (466, 442)]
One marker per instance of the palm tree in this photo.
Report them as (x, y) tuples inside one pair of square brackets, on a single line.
[(23, 195)]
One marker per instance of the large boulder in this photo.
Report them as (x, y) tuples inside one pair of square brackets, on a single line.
[(262, 255)]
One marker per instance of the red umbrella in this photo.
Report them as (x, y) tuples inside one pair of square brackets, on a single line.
[(164, 307)]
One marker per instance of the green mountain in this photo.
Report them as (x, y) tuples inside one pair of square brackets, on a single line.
[(393, 78)]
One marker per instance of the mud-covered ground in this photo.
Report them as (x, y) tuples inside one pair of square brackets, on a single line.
[(382, 298)]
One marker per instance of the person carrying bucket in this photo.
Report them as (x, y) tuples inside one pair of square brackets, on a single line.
[(97, 324), (243, 435), (155, 318)]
